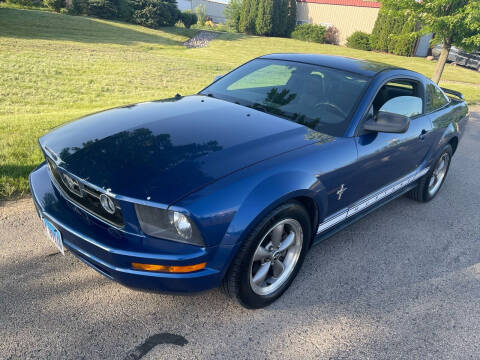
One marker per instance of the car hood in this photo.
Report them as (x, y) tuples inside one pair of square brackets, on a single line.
[(166, 149)]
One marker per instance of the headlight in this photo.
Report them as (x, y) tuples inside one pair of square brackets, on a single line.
[(166, 224)]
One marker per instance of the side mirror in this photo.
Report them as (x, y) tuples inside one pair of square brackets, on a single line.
[(388, 123), (217, 77)]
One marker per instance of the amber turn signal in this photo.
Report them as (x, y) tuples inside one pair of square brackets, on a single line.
[(169, 269)]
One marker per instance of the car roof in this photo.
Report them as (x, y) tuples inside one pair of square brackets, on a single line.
[(362, 67)]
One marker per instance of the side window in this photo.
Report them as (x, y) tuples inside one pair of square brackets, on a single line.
[(403, 105), (435, 98), (399, 97)]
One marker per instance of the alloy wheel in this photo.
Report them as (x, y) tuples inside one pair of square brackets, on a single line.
[(275, 258), (438, 174)]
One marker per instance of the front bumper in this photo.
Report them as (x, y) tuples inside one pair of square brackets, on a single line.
[(111, 251)]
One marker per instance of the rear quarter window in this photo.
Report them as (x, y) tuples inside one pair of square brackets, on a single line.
[(435, 98)]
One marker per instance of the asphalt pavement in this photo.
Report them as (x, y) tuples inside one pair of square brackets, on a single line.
[(402, 283)]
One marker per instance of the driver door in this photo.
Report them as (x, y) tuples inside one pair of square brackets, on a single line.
[(384, 158)]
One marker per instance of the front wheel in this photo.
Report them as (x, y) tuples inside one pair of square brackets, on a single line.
[(429, 185), (270, 258)]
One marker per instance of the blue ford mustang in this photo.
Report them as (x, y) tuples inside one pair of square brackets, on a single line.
[(233, 185)]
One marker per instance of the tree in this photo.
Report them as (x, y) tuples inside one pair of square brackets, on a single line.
[(454, 23), (248, 16), (265, 17), (264, 22), (232, 14), (291, 16)]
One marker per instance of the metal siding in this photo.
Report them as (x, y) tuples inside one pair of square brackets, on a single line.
[(347, 19)]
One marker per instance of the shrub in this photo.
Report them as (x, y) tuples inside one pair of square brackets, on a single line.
[(310, 32), (359, 40), (104, 9), (331, 37), (155, 13), (188, 18), (201, 12), (56, 5)]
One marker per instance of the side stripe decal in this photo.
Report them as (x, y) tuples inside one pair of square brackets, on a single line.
[(370, 199)]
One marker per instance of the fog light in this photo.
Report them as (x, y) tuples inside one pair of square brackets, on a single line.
[(169, 269)]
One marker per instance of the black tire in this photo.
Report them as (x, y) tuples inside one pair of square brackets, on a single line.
[(421, 191), (237, 280)]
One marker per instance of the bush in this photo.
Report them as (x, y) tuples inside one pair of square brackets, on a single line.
[(188, 18), (201, 12), (155, 13), (56, 5), (359, 40), (331, 37), (104, 9), (310, 32)]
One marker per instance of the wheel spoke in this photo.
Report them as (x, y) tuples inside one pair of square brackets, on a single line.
[(289, 241), (440, 166), (278, 268), (277, 235), (261, 254), (261, 274)]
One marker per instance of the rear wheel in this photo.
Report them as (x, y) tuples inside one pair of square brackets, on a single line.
[(270, 258), (429, 185)]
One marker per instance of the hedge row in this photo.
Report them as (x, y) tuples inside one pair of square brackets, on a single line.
[(316, 33)]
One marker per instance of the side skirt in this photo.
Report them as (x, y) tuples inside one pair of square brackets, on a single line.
[(365, 205), (353, 219)]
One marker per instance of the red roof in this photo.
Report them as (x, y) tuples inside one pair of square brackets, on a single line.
[(359, 3)]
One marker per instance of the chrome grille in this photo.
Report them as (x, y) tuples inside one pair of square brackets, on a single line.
[(83, 195)]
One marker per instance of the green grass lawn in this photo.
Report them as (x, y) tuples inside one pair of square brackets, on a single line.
[(54, 68)]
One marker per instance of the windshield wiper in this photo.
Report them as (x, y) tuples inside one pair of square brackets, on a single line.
[(259, 107)]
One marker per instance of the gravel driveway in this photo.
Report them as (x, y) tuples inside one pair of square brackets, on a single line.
[(404, 282)]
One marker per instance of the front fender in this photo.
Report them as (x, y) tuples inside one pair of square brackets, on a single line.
[(270, 193)]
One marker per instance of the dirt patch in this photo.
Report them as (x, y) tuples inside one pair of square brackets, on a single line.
[(14, 207)]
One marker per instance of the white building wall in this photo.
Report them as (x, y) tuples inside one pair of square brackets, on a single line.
[(215, 8), (184, 4)]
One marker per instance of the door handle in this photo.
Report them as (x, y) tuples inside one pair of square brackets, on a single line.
[(422, 134)]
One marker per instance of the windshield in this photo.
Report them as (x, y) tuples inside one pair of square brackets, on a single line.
[(318, 97)]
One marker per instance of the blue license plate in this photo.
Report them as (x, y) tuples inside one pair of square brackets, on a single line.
[(53, 234)]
